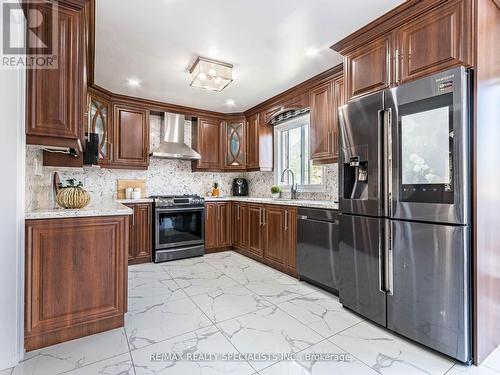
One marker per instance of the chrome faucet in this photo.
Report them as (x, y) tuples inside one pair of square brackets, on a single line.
[(293, 188)]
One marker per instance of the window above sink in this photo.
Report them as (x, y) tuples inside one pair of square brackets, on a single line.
[(291, 150)]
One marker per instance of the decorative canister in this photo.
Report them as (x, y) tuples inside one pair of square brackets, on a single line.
[(136, 194), (215, 190), (128, 193), (72, 195)]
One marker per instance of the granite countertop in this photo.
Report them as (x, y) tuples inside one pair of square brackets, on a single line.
[(108, 207), (285, 202), (140, 200)]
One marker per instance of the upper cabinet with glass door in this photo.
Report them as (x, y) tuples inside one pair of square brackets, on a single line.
[(99, 123), (234, 144)]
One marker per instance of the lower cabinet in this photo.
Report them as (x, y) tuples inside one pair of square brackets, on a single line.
[(75, 278), (218, 233), (274, 232), (267, 233), (280, 233), (256, 235), (240, 225), (140, 233), (290, 239)]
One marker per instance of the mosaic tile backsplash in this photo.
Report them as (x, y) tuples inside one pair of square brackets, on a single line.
[(163, 177)]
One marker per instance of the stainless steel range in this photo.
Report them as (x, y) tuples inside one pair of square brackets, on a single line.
[(178, 230)]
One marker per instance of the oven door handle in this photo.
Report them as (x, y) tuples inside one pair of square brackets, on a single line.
[(187, 209)]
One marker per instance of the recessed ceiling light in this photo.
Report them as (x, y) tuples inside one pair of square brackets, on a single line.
[(230, 102), (311, 52), (133, 82)]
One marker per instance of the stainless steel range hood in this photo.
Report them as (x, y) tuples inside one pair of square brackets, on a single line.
[(172, 144)]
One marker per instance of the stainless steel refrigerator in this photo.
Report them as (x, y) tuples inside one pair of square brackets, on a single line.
[(405, 210)]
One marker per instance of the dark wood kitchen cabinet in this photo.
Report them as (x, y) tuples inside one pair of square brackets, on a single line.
[(211, 225), (256, 234), (240, 225), (140, 233), (280, 224), (290, 239), (253, 141), (436, 41), (321, 122), (425, 38), (271, 235), (234, 144), (75, 278), (99, 122), (130, 147), (224, 238), (259, 144), (218, 226), (274, 232), (56, 98), (368, 68), (206, 140), (325, 100)]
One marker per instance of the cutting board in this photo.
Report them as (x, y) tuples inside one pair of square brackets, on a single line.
[(121, 185)]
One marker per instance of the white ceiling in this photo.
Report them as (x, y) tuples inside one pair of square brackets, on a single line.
[(156, 41)]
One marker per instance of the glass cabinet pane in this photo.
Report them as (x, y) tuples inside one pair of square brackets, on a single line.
[(98, 123), (235, 155)]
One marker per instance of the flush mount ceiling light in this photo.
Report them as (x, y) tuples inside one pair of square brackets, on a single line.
[(211, 74)]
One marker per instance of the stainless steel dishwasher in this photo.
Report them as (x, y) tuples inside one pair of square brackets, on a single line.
[(318, 247)]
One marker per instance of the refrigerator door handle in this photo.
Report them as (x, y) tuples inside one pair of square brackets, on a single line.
[(388, 162), (382, 261), (388, 257)]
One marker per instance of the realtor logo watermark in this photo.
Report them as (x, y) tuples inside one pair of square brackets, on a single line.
[(29, 35)]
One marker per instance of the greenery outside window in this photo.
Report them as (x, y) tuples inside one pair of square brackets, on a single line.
[(291, 150)]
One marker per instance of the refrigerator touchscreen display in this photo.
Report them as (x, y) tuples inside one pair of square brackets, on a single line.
[(425, 147), (426, 150)]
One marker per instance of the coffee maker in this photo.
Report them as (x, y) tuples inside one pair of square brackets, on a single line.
[(240, 187)]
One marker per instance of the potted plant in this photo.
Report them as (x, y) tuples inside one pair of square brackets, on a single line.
[(275, 191)]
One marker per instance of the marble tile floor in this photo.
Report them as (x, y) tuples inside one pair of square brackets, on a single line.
[(216, 314)]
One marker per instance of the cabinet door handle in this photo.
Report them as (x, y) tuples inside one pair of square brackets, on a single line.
[(286, 219), (239, 213), (133, 218), (260, 216), (218, 213), (264, 216)]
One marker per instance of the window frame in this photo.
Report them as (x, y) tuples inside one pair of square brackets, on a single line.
[(293, 123)]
